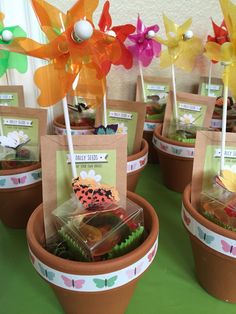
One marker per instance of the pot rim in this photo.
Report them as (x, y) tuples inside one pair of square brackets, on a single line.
[(20, 170), (201, 219), (157, 133), (141, 153), (93, 267), (62, 126)]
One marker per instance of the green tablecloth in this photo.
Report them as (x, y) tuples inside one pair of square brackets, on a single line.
[(168, 287)]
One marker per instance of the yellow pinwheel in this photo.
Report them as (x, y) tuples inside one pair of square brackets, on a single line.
[(182, 46)]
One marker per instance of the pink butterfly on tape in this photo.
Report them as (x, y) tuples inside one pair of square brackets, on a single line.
[(164, 147), (142, 162), (186, 219), (131, 273), (17, 181), (152, 254), (71, 283), (227, 248)]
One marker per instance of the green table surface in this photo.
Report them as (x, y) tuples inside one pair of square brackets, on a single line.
[(168, 287)]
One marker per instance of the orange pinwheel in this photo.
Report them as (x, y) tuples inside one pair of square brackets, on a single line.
[(76, 50), (226, 53), (120, 32)]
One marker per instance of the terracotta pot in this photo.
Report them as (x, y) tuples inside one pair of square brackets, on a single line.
[(135, 165), (77, 292), (214, 251), (176, 160), (149, 127), (60, 128), (20, 194)]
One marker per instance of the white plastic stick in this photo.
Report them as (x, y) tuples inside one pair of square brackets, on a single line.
[(209, 79), (224, 119), (142, 81), (174, 92), (105, 108), (69, 137), (50, 119)]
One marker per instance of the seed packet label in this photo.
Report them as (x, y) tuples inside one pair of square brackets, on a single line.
[(102, 163), (189, 107), (20, 133), (9, 100), (215, 90), (125, 125), (212, 163), (156, 93)]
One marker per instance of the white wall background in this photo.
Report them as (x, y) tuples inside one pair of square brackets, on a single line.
[(121, 83)]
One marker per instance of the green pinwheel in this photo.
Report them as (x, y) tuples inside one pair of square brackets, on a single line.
[(11, 60)]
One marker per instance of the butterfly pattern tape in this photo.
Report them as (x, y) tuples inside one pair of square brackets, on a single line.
[(215, 241), (20, 180), (137, 164), (95, 283), (150, 126), (181, 151), (62, 131)]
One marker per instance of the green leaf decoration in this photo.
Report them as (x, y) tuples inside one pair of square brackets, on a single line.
[(212, 218), (128, 245)]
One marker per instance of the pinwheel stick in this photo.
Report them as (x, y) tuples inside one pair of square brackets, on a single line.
[(174, 92), (224, 117), (209, 79), (142, 81), (69, 137)]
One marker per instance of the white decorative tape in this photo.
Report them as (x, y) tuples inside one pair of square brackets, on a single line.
[(213, 240), (137, 164), (216, 123), (94, 283), (150, 126), (62, 131), (20, 180), (180, 151)]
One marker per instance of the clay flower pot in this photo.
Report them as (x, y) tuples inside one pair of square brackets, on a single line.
[(60, 128), (20, 194), (214, 251), (97, 287), (176, 160), (216, 122), (149, 127), (135, 165)]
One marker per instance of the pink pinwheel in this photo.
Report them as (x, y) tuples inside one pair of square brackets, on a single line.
[(145, 47)]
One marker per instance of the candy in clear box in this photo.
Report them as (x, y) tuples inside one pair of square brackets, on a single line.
[(101, 232), (219, 205)]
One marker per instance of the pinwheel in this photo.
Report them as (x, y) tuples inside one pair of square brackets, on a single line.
[(182, 50), (76, 51), (220, 37), (145, 47), (120, 32), (226, 54), (10, 60)]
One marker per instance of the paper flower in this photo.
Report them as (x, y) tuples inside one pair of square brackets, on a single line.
[(122, 129), (228, 180), (145, 47), (120, 32), (14, 139), (11, 60), (182, 46), (76, 50), (225, 53), (186, 119), (90, 175)]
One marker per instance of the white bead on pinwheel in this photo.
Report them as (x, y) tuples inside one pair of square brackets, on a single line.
[(151, 34), (188, 35), (7, 35), (83, 30), (111, 33)]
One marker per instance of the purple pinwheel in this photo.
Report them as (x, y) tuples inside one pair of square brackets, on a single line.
[(145, 47)]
